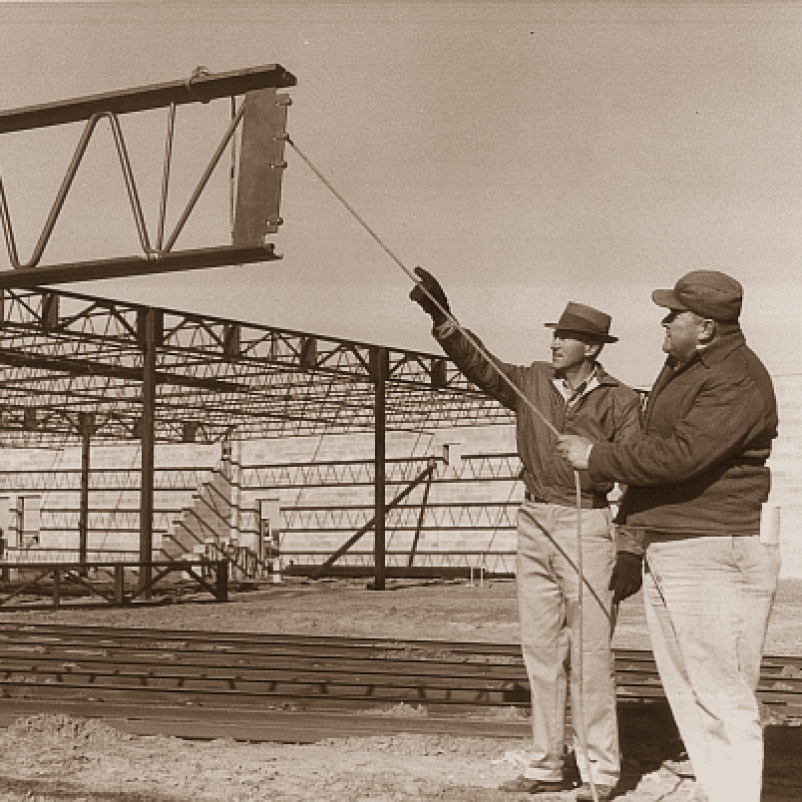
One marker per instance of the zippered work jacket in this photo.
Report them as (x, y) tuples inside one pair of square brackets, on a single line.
[(700, 466), (610, 411)]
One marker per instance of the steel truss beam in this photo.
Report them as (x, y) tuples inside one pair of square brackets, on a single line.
[(63, 354), (196, 259), (354, 472), (261, 115), (201, 87)]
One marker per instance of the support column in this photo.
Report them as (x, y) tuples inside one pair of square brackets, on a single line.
[(234, 535), (380, 373), (149, 339), (86, 424)]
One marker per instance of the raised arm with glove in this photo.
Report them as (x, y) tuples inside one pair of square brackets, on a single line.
[(571, 391), (430, 296)]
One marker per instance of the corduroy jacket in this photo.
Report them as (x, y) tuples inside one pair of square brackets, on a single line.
[(700, 467), (609, 412)]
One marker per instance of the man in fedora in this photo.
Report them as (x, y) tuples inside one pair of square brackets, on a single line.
[(696, 483), (575, 394)]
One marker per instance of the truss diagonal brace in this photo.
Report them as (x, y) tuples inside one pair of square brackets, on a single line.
[(200, 89), (29, 278), (422, 477)]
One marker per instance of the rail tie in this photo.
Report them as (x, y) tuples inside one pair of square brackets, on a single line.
[(292, 688)]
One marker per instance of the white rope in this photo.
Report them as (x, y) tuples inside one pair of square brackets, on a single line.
[(417, 281), (579, 713), (579, 727)]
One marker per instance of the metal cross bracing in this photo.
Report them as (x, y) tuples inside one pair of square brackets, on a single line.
[(457, 516), (65, 355), (78, 368), (498, 563), (469, 509), (119, 521), (326, 499), (259, 118), (337, 473), (118, 479), (345, 513), (299, 475)]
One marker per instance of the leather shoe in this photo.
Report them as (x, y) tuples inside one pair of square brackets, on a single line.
[(526, 785), (682, 767), (603, 793)]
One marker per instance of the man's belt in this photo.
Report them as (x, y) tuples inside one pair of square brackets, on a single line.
[(749, 462), (595, 501)]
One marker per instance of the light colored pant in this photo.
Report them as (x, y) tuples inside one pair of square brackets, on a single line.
[(548, 600), (708, 601)]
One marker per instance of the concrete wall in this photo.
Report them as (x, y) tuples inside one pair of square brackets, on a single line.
[(49, 482), (463, 513), (470, 504)]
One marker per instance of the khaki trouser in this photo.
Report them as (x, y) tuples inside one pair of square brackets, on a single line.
[(548, 595), (708, 601)]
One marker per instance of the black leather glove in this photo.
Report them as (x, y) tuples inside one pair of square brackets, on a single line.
[(627, 576), (430, 284)]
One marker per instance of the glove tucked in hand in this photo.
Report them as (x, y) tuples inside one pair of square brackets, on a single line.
[(627, 576), (431, 286)]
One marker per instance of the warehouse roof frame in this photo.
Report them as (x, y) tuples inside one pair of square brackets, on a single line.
[(64, 356), (76, 368)]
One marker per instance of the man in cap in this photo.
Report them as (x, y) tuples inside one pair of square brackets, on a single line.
[(696, 482), (575, 394)]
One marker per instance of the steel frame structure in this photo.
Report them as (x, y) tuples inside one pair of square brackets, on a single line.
[(107, 583), (77, 368), (84, 368), (72, 363), (261, 115)]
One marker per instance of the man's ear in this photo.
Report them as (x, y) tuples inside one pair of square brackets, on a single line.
[(592, 350), (707, 331)]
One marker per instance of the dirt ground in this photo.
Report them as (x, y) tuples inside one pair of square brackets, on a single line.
[(49, 758)]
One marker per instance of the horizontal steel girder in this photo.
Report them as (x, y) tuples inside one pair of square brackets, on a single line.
[(200, 88), (32, 277), (63, 354)]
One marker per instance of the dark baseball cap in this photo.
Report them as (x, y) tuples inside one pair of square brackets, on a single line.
[(708, 293)]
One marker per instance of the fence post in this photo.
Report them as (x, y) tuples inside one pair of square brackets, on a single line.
[(119, 584), (221, 594), (56, 585)]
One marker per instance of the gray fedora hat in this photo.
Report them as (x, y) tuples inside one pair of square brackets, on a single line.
[(581, 319)]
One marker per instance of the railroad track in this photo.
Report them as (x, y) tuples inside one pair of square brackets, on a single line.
[(299, 689)]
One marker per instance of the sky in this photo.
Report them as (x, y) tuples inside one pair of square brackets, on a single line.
[(528, 154)]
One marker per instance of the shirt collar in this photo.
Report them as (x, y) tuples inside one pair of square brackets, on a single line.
[(570, 395)]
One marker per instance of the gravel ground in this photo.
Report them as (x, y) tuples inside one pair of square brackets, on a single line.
[(51, 758)]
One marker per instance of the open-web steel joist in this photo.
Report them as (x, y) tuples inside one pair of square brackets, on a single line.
[(71, 363), (84, 368), (81, 368), (261, 115)]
